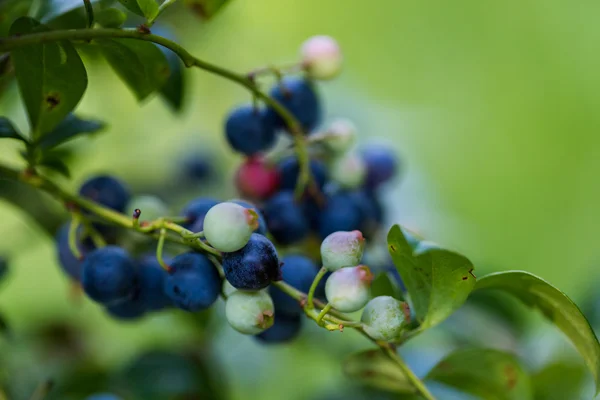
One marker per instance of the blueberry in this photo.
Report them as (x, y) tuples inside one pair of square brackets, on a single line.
[(289, 169), (195, 211), (285, 328), (254, 266), (228, 226), (68, 262), (106, 190), (371, 209), (249, 312), (257, 180), (198, 167), (321, 57), (193, 284), (383, 318), (381, 163), (348, 289), (248, 131), (342, 249), (151, 283), (103, 396), (285, 218), (262, 223), (129, 310), (108, 275), (298, 96), (299, 272), (341, 213)]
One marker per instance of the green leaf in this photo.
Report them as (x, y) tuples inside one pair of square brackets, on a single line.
[(206, 9), (68, 13), (555, 305), (3, 269), (69, 129), (145, 8), (8, 130), (559, 381), (56, 165), (111, 18), (51, 77), (373, 368), (10, 10), (489, 374), (141, 65), (437, 280), (174, 89), (382, 286)]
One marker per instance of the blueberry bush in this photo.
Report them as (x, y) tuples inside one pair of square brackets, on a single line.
[(292, 249)]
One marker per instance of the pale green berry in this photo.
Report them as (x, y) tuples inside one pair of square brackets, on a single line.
[(383, 318), (348, 171), (342, 249), (339, 137), (322, 57), (227, 289), (151, 207), (349, 289), (228, 226), (250, 312)]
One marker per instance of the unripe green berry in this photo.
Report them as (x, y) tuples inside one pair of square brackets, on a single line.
[(228, 226), (227, 289), (250, 312), (348, 171), (322, 57), (342, 249), (339, 137), (349, 289), (151, 207), (383, 318)]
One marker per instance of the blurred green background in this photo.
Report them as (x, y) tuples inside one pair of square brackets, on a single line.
[(492, 106)]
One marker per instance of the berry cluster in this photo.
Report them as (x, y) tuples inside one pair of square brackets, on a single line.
[(338, 206)]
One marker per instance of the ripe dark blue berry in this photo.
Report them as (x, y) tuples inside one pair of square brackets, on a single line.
[(254, 266), (193, 284), (108, 275), (248, 131), (289, 170), (299, 97), (130, 309), (68, 262), (151, 283), (381, 163), (262, 224), (285, 328), (341, 213), (298, 271), (198, 167), (285, 218), (106, 190), (195, 211)]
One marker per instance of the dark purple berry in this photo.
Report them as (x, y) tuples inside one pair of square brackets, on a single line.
[(285, 218), (248, 131), (193, 284), (129, 310), (285, 328), (108, 275), (299, 97), (254, 266), (151, 283), (195, 211), (299, 272), (106, 190), (341, 213), (289, 170), (381, 163), (68, 262)]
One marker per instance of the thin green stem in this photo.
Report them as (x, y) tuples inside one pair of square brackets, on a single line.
[(11, 43), (161, 9), (73, 226), (323, 312), (311, 293), (159, 249), (416, 382), (93, 233)]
